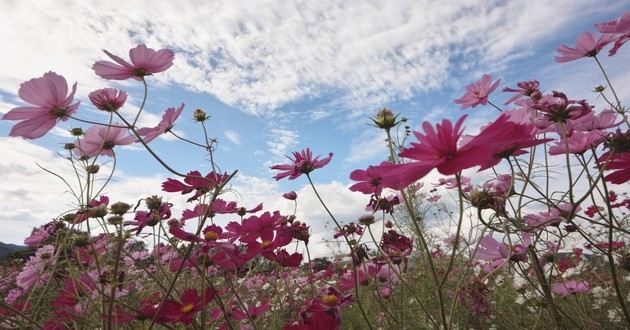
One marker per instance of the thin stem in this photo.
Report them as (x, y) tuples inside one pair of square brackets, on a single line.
[(144, 100)]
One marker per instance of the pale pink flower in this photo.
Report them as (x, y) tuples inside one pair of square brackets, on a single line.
[(108, 99), (578, 142), (144, 61), (525, 88), (477, 92), (100, 140), (34, 270), (619, 28), (590, 121), (451, 183), (41, 234), (498, 254), (566, 288), (49, 99), (168, 120), (585, 46)]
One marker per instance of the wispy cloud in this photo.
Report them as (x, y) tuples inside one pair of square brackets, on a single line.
[(261, 57), (233, 136), (281, 141)]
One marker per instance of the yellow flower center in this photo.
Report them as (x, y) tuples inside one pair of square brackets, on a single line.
[(211, 235), (329, 299), (187, 308), (265, 244)]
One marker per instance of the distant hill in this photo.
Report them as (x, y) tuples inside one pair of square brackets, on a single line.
[(9, 248)]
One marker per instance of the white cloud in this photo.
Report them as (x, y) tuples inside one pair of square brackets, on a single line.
[(368, 145), (261, 55), (233, 136), (281, 141)]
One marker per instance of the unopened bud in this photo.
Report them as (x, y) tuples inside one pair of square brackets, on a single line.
[(92, 169), (69, 146), (153, 203), (599, 89), (481, 199), (82, 239), (98, 212), (385, 119), (119, 208), (77, 131), (115, 220), (366, 220), (200, 115)]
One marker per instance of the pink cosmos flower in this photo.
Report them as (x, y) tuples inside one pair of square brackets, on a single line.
[(303, 163), (191, 303), (591, 121), (553, 217), (620, 162), (498, 254), (144, 61), (41, 234), (108, 99), (525, 88), (556, 108), (34, 271), (437, 148), (101, 140), (194, 181), (578, 142), (585, 46), (371, 179), (619, 28), (566, 288), (477, 92), (168, 120), (49, 99)]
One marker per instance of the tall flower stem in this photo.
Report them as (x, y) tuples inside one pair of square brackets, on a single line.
[(354, 267), (423, 242)]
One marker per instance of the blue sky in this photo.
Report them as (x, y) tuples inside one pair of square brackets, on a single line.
[(280, 76)]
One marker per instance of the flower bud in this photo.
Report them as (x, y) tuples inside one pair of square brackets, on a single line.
[(385, 119), (77, 131), (115, 220), (481, 199), (200, 115), (82, 239), (599, 89), (291, 195), (92, 169), (153, 203), (69, 146), (119, 208), (366, 220), (98, 212)]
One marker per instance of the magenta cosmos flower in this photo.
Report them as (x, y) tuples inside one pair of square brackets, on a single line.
[(168, 120), (619, 29), (370, 180), (477, 92), (144, 61), (303, 163), (49, 99), (621, 163), (585, 46), (108, 99), (101, 140)]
